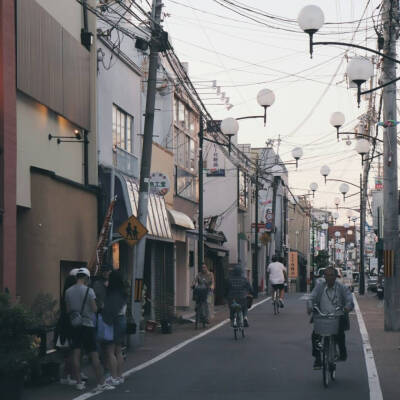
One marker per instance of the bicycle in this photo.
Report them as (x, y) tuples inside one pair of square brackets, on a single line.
[(200, 296), (327, 325), (275, 301), (238, 320)]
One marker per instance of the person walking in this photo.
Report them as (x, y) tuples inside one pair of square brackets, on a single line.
[(277, 276), (203, 285), (81, 307), (114, 313)]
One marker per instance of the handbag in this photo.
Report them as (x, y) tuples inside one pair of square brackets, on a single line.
[(76, 316), (105, 332), (62, 344)]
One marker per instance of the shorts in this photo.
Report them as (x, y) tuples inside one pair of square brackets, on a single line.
[(119, 330), (278, 286), (84, 337)]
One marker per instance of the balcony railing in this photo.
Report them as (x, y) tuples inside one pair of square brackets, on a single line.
[(126, 162)]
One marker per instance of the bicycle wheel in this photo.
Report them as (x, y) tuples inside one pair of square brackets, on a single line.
[(325, 362)]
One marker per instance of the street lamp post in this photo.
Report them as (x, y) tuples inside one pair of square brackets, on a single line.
[(229, 128), (311, 19)]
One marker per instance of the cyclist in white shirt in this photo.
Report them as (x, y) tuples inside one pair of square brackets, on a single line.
[(277, 276)]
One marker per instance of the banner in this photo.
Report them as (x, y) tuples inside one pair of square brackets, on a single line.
[(293, 264)]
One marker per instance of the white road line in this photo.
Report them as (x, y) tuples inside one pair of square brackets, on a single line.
[(375, 392), (170, 351)]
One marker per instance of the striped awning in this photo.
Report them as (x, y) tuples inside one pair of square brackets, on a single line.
[(157, 219)]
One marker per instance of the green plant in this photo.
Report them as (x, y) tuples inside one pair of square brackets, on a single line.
[(17, 346), (322, 259), (44, 309)]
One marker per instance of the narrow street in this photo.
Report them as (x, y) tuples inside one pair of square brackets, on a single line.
[(273, 359)]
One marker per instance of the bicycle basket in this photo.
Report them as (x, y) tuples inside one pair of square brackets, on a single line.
[(326, 326)]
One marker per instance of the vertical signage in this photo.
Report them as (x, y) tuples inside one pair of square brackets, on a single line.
[(293, 264)]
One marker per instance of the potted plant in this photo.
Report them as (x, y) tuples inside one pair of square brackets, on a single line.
[(17, 347)]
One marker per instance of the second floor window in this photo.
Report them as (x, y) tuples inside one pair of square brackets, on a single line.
[(122, 128)]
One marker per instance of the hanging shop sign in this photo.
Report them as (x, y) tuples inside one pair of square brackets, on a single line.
[(159, 183)]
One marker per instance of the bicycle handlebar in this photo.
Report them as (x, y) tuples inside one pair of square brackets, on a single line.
[(315, 308)]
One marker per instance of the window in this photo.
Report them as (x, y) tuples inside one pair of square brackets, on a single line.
[(185, 184), (122, 128)]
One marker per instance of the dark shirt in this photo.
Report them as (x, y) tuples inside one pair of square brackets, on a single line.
[(238, 287)]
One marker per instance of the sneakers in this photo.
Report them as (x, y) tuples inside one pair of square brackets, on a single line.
[(103, 387), (84, 377), (246, 323), (81, 386), (317, 364), (112, 381), (121, 379), (68, 381), (281, 303)]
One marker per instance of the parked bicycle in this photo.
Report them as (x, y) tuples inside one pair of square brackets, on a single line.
[(327, 325), (237, 322), (200, 296)]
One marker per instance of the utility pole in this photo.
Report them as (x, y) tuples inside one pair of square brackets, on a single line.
[(255, 261), (390, 194), (145, 164), (200, 250), (362, 235), (274, 193)]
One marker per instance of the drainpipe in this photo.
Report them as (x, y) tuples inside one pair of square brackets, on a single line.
[(85, 157)]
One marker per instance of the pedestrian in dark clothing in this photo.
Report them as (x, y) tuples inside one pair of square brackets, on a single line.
[(114, 313), (238, 288), (100, 285)]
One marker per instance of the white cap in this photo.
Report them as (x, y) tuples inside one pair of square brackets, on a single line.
[(83, 271), (74, 271)]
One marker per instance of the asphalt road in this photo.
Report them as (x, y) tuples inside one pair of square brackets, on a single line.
[(274, 360)]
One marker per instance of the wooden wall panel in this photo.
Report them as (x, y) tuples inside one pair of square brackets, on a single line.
[(52, 66), (39, 55), (76, 81)]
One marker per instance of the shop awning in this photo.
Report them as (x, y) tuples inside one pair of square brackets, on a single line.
[(157, 220), (220, 250), (180, 219)]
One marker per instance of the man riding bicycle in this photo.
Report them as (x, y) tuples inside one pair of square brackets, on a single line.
[(238, 288), (277, 276), (329, 295)]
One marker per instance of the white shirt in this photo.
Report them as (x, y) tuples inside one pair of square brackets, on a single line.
[(275, 271)]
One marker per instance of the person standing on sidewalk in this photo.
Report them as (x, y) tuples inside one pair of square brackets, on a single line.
[(100, 285), (81, 307), (277, 276), (204, 282), (114, 313)]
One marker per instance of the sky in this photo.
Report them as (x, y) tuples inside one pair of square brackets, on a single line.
[(267, 49)]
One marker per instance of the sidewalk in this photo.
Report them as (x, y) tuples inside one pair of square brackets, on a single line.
[(154, 344), (385, 346)]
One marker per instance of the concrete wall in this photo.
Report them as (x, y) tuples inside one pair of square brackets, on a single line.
[(68, 13), (162, 160), (220, 198), (118, 85), (61, 225), (34, 123)]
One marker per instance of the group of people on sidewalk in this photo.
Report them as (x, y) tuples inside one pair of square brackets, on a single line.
[(93, 319)]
